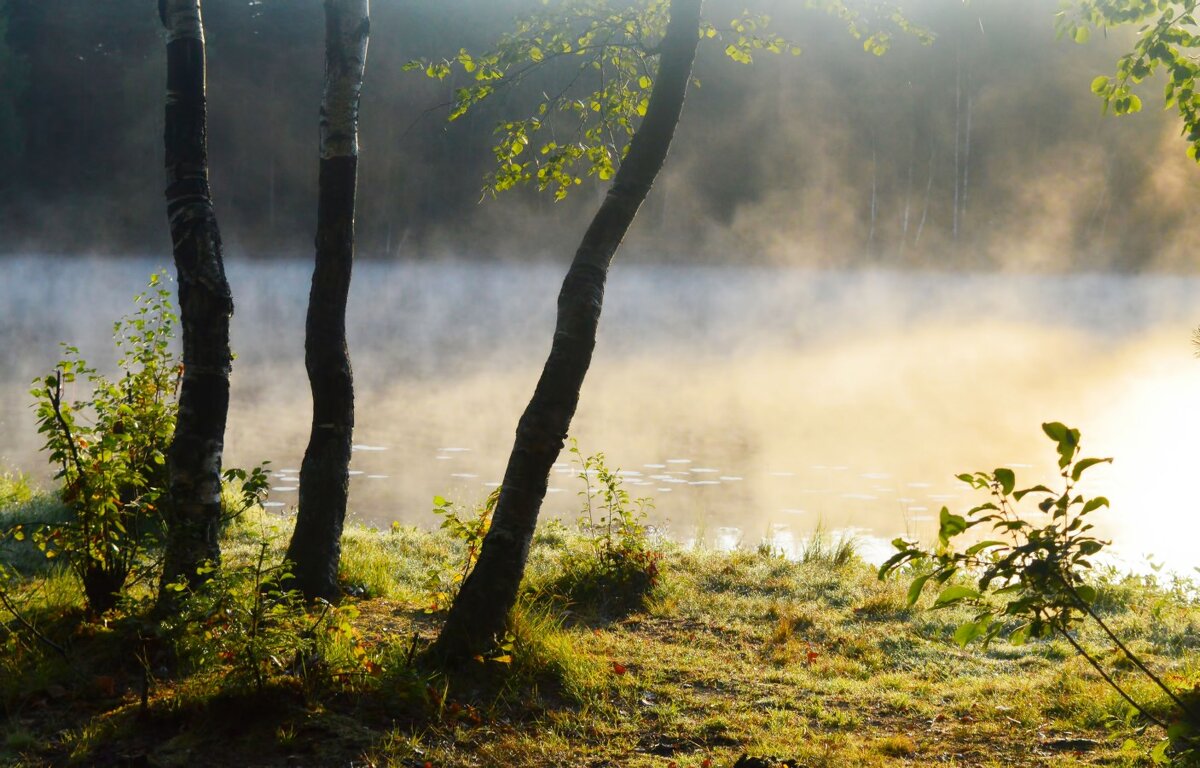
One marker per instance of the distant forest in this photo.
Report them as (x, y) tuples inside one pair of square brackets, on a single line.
[(983, 150)]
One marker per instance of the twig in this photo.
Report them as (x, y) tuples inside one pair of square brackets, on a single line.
[(412, 650), (29, 626), (1128, 653), (1108, 679), (56, 404)]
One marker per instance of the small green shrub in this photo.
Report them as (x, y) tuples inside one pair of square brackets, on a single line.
[(110, 447), (1032, 580), (615, 565), (466, 531), (239, 620)]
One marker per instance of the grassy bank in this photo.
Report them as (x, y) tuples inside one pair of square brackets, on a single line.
[(815, 662)]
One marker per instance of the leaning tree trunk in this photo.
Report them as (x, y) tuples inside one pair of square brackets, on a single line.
[(325, 474), (480, 611), (194, 459)]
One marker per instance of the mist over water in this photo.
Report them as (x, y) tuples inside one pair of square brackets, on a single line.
[(748, 403)]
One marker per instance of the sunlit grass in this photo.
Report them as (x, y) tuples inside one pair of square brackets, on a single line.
[(813, 660)]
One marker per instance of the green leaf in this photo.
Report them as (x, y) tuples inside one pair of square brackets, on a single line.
[(645, 82), (1094, 504), (914, 590), (968, 631), (1158, 755), (953, 594), (906, 552), (975, 549), (950, 525), (1018, 495), (1006, 478), (1086, 594), (1082, 34), (1067, 439), (1054, 430), (1082, 465), (1181, 730)]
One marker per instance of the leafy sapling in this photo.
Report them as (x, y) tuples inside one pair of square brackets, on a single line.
[(619, 564), (1030, 574), (110, 447), (465, 529)]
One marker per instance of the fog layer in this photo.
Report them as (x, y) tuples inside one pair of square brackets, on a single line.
[(749, 403)]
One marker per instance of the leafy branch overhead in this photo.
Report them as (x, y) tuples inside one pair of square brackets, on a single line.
[(1168, 40), (594, 64)]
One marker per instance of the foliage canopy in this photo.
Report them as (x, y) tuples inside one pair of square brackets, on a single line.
[(1167, 40), (593, 64)]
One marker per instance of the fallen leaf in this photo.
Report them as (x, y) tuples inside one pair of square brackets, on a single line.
[(618, 668)]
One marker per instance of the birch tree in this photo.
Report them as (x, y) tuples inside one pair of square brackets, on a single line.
[(205, 307), (625, 71), (315, 548), (480, 611)]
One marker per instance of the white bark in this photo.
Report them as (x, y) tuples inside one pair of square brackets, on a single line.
[(181, 18), (912, 153), (928, 190), (874, 201), (957, 130), (967, 155), (349, 25)]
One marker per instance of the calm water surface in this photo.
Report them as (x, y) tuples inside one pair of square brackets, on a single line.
[(750, 404)]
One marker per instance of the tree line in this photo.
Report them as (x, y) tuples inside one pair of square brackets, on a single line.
[(983, 149)]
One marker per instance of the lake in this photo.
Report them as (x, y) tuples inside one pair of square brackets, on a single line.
[(750, 404)]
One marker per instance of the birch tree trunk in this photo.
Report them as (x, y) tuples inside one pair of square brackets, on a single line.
[(912, 157), (966, 181), (957, 130), (315, 548), (480, 612), (874, 199), (205, 306), (928, 192)]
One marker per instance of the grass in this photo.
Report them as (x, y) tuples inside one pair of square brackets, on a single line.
[(813, 661), (22, 504)]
